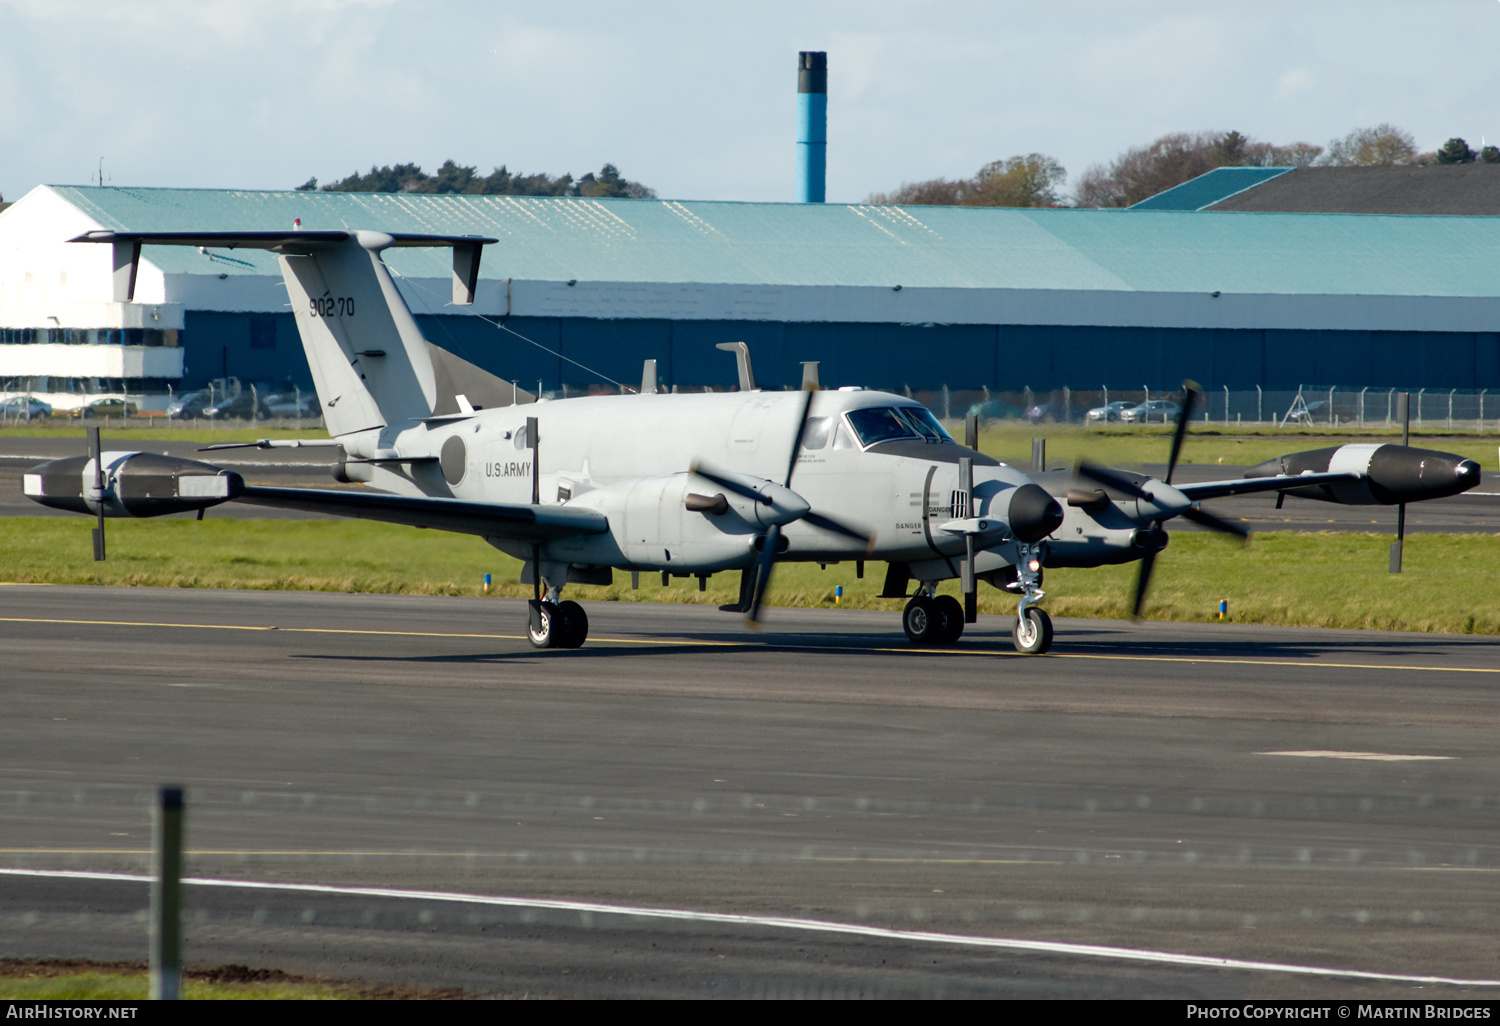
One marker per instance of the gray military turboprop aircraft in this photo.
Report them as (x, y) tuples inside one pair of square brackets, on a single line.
[(681, 484)]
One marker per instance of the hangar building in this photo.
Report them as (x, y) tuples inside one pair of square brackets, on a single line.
[(580, 290)]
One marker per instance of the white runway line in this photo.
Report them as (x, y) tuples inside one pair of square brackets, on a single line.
[(1368, 756), (781, 923)]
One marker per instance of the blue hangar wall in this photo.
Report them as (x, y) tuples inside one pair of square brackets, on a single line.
[(266, 347)]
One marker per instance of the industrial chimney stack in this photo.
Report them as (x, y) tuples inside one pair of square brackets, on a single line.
[(812, 125)]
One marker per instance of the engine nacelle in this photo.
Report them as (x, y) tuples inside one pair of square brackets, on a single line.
[(136, 484), (1391, 474)]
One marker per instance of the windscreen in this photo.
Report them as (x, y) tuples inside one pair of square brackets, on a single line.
[(879, 424), (926, 424)]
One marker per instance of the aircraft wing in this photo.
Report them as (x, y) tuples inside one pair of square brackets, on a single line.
[(1244, 485), (488, 519)]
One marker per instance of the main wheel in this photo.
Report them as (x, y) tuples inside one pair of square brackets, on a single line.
[(547, 635), (952, 612), (572, 625), (1033, 633), (922, 621)]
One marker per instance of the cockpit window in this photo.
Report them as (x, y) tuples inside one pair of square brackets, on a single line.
[(815, 435), (926, 424), (879, 424)]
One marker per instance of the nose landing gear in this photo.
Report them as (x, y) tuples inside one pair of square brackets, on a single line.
[(1033, 633)]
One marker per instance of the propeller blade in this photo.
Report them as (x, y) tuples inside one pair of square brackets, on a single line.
[(1215, 523), (1110, 479), (1142, 581), (1188, 402), (728, 483), (797, 440), (830, 524), (763, 577)]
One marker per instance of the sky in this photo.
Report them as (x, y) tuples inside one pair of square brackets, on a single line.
[(698, 100)]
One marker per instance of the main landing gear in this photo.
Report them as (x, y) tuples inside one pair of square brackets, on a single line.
[(932, 620), (557, 624)]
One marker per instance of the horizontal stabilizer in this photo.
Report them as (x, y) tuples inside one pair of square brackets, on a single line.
[(127, 250)]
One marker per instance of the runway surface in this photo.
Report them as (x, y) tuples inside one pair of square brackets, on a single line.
[(1307, 798), (1477, 511)]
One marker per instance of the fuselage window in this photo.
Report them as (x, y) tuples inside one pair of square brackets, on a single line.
[(929, 426), (815, 435), (879, 424)]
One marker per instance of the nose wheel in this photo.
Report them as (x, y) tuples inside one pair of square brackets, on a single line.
[(1033, 633)]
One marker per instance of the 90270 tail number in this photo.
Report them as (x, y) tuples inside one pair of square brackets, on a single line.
[(331, 306)]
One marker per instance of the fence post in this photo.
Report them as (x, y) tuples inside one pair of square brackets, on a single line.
[(1226, 405), (1362, 392), (1419, 409), (1260, 417), (1450, 408)]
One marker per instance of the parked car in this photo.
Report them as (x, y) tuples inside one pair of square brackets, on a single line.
[(241, 407), (1107, 412), (24, 407), (1163, 410), (189, 404), (107, 406), (288, 404)]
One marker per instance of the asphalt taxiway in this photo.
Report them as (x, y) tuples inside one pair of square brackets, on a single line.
[(1305, 798)]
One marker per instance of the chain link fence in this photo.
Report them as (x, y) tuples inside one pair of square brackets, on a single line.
[(1456, 409)]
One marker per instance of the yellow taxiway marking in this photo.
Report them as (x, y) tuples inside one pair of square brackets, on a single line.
[(338, 630), (1367, 756), (687, 642)]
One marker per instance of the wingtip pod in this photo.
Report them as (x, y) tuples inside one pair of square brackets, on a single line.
[(136, 484), (1387, 474)]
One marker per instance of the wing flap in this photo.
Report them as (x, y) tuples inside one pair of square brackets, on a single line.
[(487, 519)]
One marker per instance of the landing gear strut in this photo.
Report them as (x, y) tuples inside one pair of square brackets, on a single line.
[(1033, 633)]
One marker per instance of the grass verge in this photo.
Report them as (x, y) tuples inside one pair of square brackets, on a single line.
[(1319, 580), (76, 980)]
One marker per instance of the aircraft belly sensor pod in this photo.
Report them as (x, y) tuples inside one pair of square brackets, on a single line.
[(682, 485)]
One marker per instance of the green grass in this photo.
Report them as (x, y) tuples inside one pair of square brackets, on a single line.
[(1324, 580), (61, 427), (76, 980)]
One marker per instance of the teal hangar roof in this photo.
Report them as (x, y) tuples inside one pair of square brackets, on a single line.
[(561, 239)]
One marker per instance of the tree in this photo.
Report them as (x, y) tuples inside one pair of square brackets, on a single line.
[(1144, 171), (1366, 147), (1029, 181), (1021, 181), (1455, 151), (454, 178), (1490, 155), (935, 192), (308, 186)]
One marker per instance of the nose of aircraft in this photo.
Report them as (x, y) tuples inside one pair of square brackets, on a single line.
[(1033, 513)]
